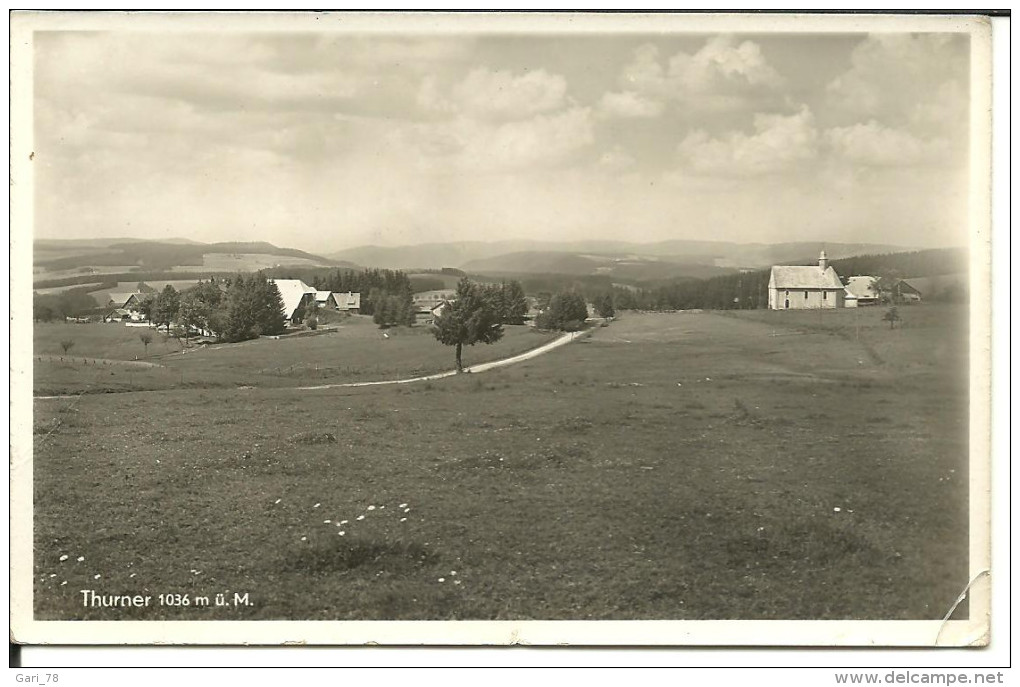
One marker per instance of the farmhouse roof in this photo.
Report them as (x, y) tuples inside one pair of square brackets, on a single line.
[(121, 298), (293, 292), (862, 287), (347, 300), (804, 277), (904, 286)]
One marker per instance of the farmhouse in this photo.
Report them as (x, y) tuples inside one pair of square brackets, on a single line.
[(428, 305), (325, 300), (905, 292), (862, 291), (427, 300), (348, 302), (126, 307), (799, 287), (295, 294)]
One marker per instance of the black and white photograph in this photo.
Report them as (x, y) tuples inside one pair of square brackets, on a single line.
[(489, 329)]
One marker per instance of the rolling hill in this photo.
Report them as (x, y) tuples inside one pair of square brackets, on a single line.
[(622, 260), (57, 259)]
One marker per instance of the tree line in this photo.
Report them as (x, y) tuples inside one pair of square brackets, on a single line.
[(242, 307)]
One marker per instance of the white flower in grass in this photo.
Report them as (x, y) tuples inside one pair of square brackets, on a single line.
[(342, 522), (403, 519), (132, 574), (63, 558), (96, 576), (836, 509), (277, 501), (304, 538), (341, 533), (453, 573), (53, 574), (371, 508), (442, 579), (80, 558), (326, 522), (407, 510), (403, 505), (63, 583), (316, 505), (360, 517)]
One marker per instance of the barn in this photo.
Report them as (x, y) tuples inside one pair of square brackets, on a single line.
[(797, 287)]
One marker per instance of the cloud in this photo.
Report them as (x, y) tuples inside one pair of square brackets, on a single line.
[(723, 75), (616, 159), (471, 144), (497, 95), (629, 104), (905, 79), (778, 143), (875, 145)]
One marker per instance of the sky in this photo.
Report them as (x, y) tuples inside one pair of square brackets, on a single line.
[(327, 140)]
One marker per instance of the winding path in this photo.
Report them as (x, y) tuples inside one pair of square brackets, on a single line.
[(483, 367)]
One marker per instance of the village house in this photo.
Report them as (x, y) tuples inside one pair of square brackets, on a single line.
[(348, 302), (862, 290), (124, 307), (325, 300), (905, 292), (296, 295), (428, 305), (799, 287)]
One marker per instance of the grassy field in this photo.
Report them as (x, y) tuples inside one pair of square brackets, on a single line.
[(355, 351), (681, 466)]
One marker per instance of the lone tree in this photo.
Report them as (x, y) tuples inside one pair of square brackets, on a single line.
[(468, 320), (67, 344), (146, 339), (892, 316)]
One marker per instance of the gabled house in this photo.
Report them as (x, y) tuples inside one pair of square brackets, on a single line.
[(797, 287), (905, 292), (125, 307), (348, 302), (427, 300), (325, 300), (428, 305), (862, 291), (295, 294)]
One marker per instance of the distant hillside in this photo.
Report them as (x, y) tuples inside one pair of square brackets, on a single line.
[(510, 256), (748, 289), (919, 263), (618, 267), (55, 259)]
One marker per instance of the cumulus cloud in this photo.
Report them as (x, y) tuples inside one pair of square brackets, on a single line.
[(616, 159), (778, 143), (472, 144), (722, 75), (905, 79), (875, 145), (629, 105), (497, 95)]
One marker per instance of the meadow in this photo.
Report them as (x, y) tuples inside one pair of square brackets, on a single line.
[(355, 350), (748, 465)]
